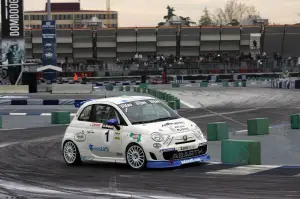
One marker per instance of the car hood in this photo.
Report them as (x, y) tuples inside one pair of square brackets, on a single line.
[(179, 125)]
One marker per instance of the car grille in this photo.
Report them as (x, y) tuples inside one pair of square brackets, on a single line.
[(176, 155)]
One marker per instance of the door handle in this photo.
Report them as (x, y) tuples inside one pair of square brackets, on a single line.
[(90, 131)]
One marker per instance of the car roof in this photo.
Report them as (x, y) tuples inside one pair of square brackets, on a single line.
[(121, 99)]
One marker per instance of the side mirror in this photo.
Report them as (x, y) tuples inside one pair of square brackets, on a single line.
[(113, 122)]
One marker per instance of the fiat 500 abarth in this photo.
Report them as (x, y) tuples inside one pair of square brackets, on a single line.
[(136, 130)]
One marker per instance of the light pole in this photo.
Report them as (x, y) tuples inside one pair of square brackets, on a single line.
[(48, 9)]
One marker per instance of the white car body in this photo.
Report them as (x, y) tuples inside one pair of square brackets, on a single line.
[(104, 143)]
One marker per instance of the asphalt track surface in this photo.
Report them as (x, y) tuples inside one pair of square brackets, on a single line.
[(31, 166)]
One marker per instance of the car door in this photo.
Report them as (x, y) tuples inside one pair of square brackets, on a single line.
[(105, 141), (81, 127)]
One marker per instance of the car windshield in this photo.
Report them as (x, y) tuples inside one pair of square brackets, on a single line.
[(148, 111)]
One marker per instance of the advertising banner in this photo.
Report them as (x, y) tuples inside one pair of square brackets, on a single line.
[(49, 57), (12, 44)]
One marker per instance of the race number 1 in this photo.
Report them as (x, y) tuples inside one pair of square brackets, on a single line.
[(107, 135)]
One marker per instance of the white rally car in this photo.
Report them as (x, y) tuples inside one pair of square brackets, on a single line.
[(136, 130)]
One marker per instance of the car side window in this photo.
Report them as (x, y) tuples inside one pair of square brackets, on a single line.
[(102, 113), (116, 114), (85, 114), (106, 112)]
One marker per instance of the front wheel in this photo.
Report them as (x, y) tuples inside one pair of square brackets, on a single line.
[(71, 153), (136, 157)]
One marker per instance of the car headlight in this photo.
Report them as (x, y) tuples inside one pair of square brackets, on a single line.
[(157, 137)]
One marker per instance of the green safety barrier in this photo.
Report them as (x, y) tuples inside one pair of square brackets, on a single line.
[(236, 84), (143, 90), (121, 88), (258, 126), (127, 88), (175, 85), (203, 84), (244, 84), (172, 104), (217, 131), (134, 89), (60, 117), (241, 152), (143, 85), (138, 89), (177, 103), (295, 121), (1, 125), (163, 95), (225, 84), (109, 87)]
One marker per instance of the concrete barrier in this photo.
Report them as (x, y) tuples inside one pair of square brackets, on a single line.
[(14, 89), (241, 152), (72, 88), (217, 131), (295, 121), (60, 117), (258, 126)]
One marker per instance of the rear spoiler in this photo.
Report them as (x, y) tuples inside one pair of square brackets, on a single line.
[(78, 103)]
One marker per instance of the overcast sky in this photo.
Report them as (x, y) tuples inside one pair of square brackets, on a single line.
[(150, 12)]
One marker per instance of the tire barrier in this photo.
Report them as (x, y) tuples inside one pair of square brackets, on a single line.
[(258, 126), (295, 121), (50, 102), (60, 117), (243, 152), (121, 88), (18, 102), (217, 131), (236, 84), (5, 102), (285, 84)]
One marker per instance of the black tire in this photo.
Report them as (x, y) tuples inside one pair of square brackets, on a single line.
[(141, 154), (72, 161)]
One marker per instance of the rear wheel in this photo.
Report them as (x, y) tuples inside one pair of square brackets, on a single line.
[(136, 157), (71, 153)]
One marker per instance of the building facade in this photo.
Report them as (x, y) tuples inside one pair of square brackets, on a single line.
[(69, 15)]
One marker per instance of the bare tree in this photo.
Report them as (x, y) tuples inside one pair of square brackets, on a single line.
[(234, 12)]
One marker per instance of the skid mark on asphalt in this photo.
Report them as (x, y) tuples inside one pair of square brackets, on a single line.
[(271, 127), (220, 114)]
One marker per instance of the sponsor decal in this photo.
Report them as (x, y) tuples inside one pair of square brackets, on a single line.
[(187, 154), (167, 150), (86, 158), (182, 129), (135, 136), (117, 136), (105, 126), (154, 101), (101, 149), (96, 124), (185, 148), (168, 140), (172, 123), (191, 160), (80, 137)]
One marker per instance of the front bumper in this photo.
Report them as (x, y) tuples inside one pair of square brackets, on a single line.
[(177, 163)]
